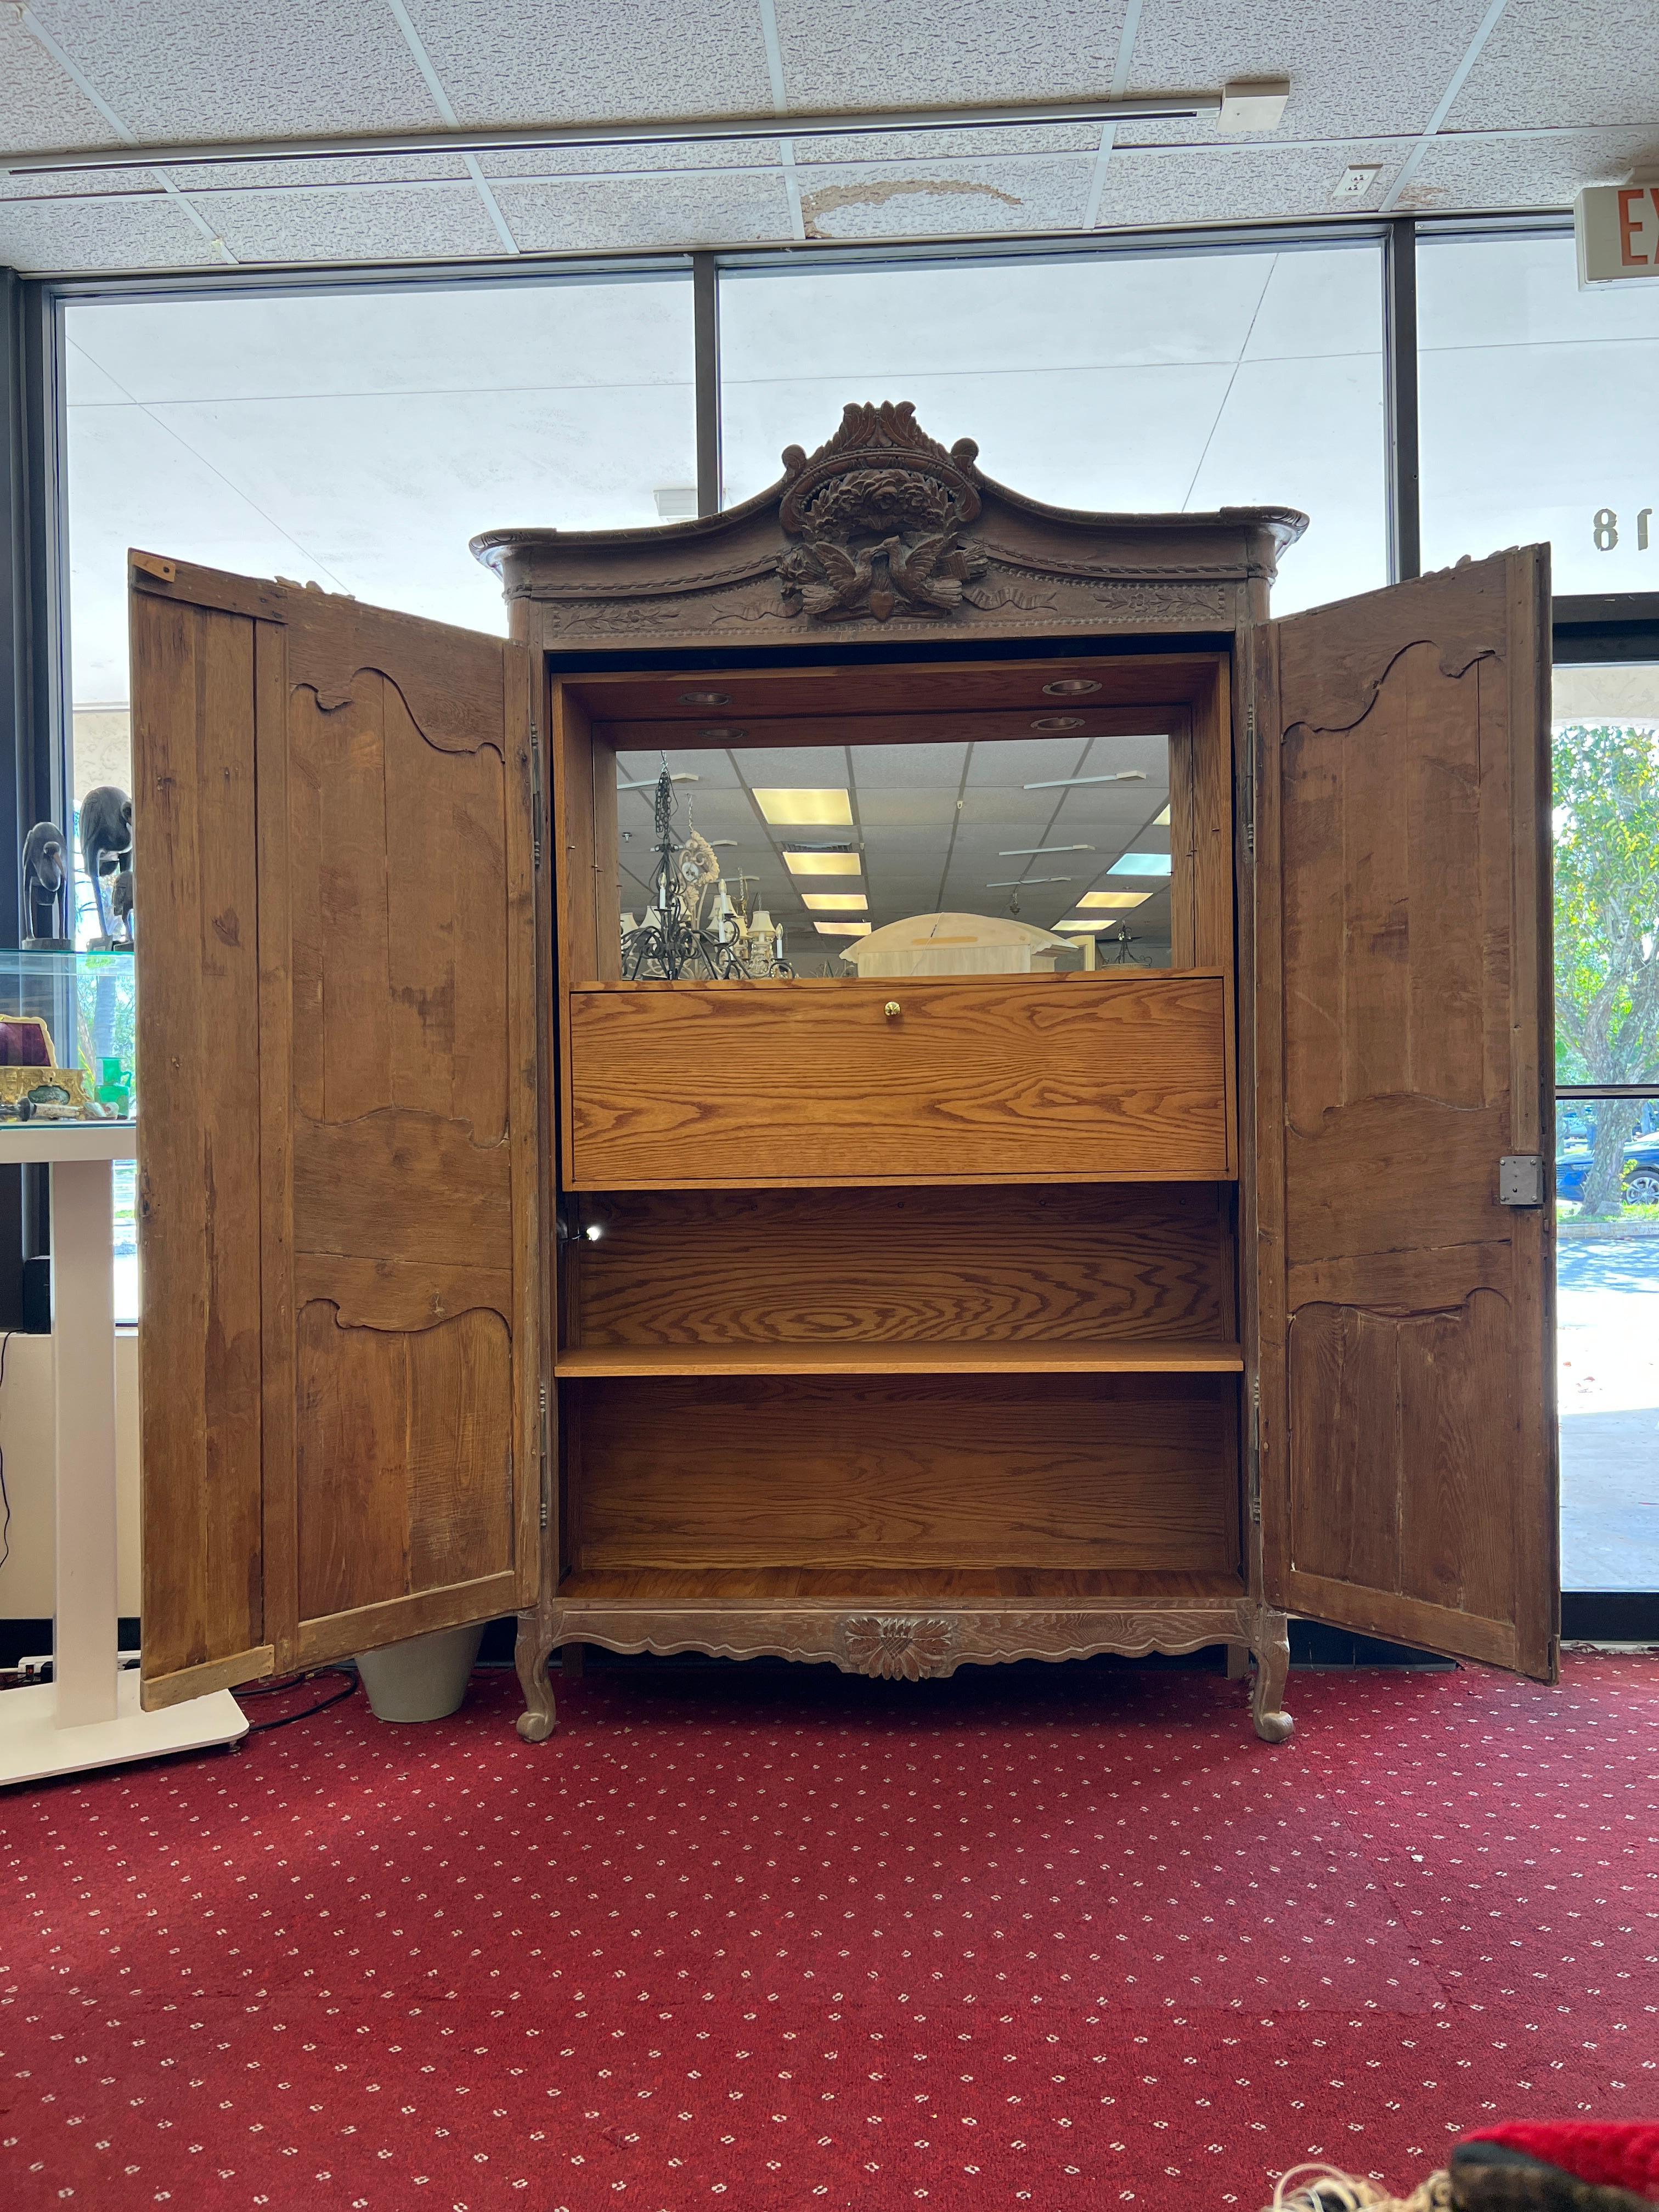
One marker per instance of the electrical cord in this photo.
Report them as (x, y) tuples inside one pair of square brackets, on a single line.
[(347, 1675)]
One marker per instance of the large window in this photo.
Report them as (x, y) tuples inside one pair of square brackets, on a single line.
[(1149, 382), (1606, 742), (1538, 403), (355, 440)]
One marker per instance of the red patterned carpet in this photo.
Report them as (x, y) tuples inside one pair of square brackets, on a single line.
[(1068, 1938)]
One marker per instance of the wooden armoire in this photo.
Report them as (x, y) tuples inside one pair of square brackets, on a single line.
[(968, 1319)]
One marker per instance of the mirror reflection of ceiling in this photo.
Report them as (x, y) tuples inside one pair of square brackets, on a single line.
[(935, 828), (1456, 104)]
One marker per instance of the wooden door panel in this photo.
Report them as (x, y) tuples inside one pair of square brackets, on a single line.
[(1085, 1078), (405, 1457), (1402, 1040), (199, 1155), (382, 1058)]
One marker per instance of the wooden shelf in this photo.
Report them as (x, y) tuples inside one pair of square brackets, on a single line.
[(1125, 1356), (736, 1586)]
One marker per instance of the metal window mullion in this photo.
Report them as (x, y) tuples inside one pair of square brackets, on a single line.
[(706, 373), (1402, 449)]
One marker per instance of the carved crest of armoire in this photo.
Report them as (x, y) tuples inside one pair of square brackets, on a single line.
[(896, 1324)]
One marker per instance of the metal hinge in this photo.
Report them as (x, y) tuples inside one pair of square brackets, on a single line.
[(1249, 781), (544, 1440), (1520, 1179), (1255, 1454), (536, 803)]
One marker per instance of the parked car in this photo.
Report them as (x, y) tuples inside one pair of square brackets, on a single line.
[(1641, 1186)]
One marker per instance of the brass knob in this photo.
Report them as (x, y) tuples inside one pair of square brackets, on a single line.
[(891, 1008)]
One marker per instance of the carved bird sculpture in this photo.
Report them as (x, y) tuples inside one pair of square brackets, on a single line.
[(845, 579), (924, 572)]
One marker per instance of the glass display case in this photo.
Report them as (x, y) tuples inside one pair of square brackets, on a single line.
[(68, 1030), (67, 1037)]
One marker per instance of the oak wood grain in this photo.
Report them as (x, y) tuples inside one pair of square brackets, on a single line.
[(844, 688), (983, 1264), (1071, 1472), (1132, 1356), (1401, 889), (834, 1587), (198, 978), (1071, 1079), (403, 1446)]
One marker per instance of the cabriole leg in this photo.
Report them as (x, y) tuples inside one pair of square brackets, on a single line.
[(531, 1653), (1270, 1644)]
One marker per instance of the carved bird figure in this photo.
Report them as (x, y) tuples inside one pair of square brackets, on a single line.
[(843, 581), (930, 572)]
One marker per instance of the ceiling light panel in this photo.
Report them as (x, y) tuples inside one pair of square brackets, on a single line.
[(842, 928), (791, 807), (1141, 864), (1113, 902), (824, 863), (835, 902)]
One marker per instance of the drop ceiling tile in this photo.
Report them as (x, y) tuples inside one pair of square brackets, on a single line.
[(873, 201), (935, 146), (1234, 184), (41, 107), (1545, 64), (899, 767), (1354, 66), (364, 223), (220, 68), (863, 53), (630, 59), (551, 163), (601, 217), (105, 231), (293, 176), (1525, 173), (712, 769)]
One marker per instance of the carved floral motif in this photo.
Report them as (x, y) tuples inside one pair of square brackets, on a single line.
[(879, 512), (893, 1647)]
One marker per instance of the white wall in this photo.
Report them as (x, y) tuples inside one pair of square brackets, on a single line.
[(26, 1439)]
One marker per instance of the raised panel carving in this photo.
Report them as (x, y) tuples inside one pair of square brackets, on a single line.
[(403, 1455)]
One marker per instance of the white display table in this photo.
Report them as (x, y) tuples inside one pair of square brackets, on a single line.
[(88, 1715)]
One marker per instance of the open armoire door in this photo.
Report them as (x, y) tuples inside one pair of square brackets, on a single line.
[(339, 1154), (1402, 1033)]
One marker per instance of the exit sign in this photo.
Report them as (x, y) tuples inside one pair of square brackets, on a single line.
[(1617, 227)]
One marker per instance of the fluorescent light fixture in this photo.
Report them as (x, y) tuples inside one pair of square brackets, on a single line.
[(824, 864), (1059, 782), (1255, 103), (842, 928), (1031, 851), (676, 502), (789, 807), (1114, 902), (1087, 928), (1027, 883), (1141, 864), (835, 902), (650, 782), (1161, 821)]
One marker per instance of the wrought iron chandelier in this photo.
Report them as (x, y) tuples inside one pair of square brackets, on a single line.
[(695, 930)]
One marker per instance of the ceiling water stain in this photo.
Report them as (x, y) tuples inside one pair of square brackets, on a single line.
[(824, 202)]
